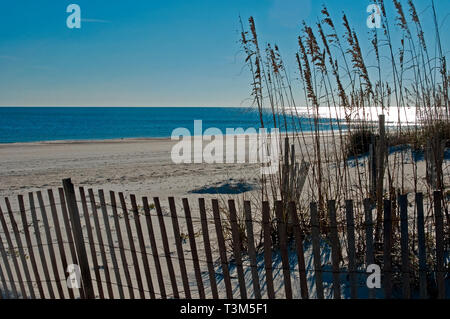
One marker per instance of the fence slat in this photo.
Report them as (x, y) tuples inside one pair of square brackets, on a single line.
[(299, 248), (8, 270), (137, 222), (282, 233), (165, 241), (87, 220), (422, 247), (3, 280), (137, 270), (20, 247), (387, 270), (62, 251), (79, 239), (192, 243), (26, 231), (370, 258), (222, 249), (162, 288), (37, 233), (13, 255), (237, 248), (335, 249), (101, 244), (440, 268), (268, 250), (315, 233), (50, 247), (68, 228), (403, 203), (123, 258), (350, 221), (206, 241), (179, 246), (112, 252), (252, 249)]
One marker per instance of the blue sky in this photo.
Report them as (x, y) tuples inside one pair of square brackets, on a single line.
[(151, 53)]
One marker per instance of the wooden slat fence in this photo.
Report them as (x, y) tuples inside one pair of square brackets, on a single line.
[(209, 250)]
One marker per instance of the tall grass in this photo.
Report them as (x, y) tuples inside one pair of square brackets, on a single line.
[(333, 73)]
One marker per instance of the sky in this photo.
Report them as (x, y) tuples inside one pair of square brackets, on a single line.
[(152, 53)]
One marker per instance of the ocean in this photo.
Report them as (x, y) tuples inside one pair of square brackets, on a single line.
[(33, 124)]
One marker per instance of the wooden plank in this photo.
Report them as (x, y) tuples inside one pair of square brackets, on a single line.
[(50, 247), (299, 247), (87, 220), (403, 203), (11, 279), (37, 233), (380, 162), (5, 286), (179, 246), (268, 249), (222, 248), (421, 246), (137, 270), (145, 263), (282, 233), (59, 238), (315, 233), (252, 249), (350, 221), (237, 248), (387, 259), (78, 238), (370, 257), (101, 244), (335, 249), (154, 247), (440, 266), (192, 243), (162, 227), (112, 251), (207, 246), (26, 231), (12, 253), (69, 234), (20, 246), (121, 246)]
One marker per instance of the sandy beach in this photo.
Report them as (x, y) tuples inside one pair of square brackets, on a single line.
[(138, 166)]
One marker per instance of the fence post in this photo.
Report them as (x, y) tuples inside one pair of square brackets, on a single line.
[(252, 249), (351, 247), (207, 246), (440, 269), (237, 248), (282, 233), (403, 201), (193, 244), (335, 248), (380, 153), (78, 237), (422, 248), (268, 249), (316, 249), (369, 238), (387, 249), (300, 254)]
